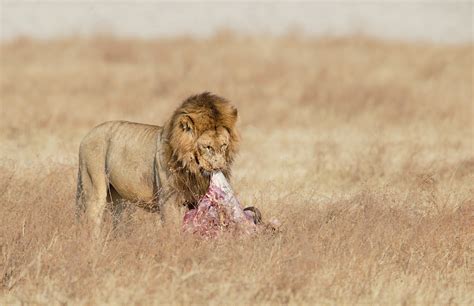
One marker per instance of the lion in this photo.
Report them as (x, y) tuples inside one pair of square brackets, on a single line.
[(157, 166)]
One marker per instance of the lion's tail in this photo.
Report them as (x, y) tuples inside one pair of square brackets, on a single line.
[(80, 207)]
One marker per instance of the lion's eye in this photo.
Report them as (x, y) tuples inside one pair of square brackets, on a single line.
[(209, 149), (224, 146)]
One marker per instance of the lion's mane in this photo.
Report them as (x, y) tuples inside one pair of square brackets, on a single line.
[(199, 113)]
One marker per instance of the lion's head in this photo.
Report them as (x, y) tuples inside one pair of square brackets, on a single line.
[(202, 138)]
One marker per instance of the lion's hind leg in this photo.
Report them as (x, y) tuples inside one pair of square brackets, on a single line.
[(117, 206), (92, 190)]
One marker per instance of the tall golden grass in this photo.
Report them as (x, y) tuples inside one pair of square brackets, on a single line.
[(362, 148)]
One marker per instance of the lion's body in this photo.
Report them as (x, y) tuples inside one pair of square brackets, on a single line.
[(149, 165), (121, 154)]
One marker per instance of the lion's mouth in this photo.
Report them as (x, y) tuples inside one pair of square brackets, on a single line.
[(205, 172)]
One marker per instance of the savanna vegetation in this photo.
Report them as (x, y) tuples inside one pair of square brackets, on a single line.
[(362, 148)]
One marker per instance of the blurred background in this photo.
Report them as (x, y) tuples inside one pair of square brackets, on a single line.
[(305, 66), (438, 21), (320, 67)]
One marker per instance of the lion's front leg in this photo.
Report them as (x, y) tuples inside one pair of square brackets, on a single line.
[(172, 207), (166, 199)]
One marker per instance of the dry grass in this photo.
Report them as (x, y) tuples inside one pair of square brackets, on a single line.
[(362, 148)]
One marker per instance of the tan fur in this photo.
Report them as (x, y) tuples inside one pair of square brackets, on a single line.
[(154, 165)]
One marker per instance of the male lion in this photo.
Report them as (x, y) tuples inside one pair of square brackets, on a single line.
[(153, 165)]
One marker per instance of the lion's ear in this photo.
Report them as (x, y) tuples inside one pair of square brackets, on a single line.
[(232, 115), (186, 123)]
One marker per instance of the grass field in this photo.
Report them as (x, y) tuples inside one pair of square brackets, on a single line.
[(363, 149)]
